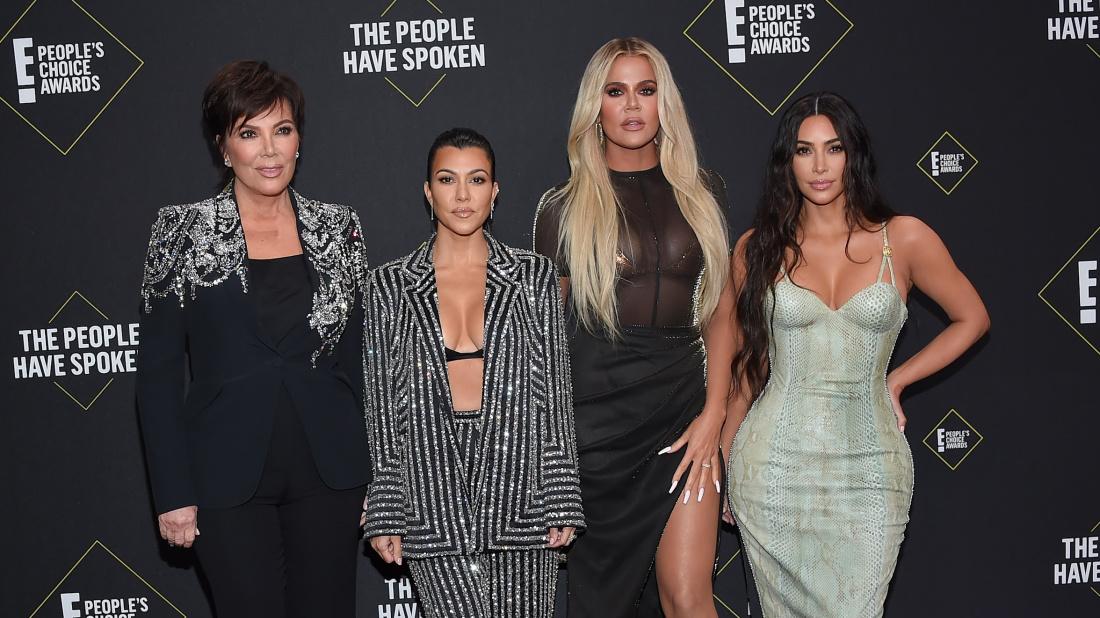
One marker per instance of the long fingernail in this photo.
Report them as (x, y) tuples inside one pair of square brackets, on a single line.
[(672, 488), (664, 450), (687, 496), (717, 487), (700, 498)]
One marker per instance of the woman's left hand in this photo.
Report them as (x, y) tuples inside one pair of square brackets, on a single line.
[(895, 400), (560, 537), (701, 455)]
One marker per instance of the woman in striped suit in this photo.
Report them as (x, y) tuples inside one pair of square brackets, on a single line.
[(469, 406)]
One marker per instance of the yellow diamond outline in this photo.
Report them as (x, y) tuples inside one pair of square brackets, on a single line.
[(415, 103), (961, 178), (719, 572), (771, 112), (97, 310), (981, 438), (1089, 45), (120, 561), (1093, 588), (1059, 313), (141, 63)]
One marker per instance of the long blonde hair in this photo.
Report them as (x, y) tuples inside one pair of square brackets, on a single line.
[(589, 225)]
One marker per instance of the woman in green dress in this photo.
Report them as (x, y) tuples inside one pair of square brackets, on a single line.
[(820, 474)]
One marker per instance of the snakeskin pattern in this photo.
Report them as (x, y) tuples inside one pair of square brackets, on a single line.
[(820, 477)]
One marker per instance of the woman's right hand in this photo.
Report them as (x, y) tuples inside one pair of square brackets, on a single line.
[(179, 527), (388, 547)]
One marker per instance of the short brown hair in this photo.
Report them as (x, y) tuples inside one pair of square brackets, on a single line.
[(243, 89)]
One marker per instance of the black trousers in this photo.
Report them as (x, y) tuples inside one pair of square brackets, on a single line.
[(291, 550)]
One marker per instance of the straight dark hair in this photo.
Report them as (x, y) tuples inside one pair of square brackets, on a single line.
[(460, 137), (775, 226)]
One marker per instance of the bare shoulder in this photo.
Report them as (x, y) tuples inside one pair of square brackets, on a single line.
[(908, 232)]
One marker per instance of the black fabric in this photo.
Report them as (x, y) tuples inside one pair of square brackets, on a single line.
[(659, 256), (284, 298), (631, 399), (291, 550), (455, 355), (238, 371)]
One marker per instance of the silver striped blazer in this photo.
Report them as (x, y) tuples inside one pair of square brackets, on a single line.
[(527, 478)]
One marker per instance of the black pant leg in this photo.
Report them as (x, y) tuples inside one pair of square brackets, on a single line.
[(241, 554), (320, 531)]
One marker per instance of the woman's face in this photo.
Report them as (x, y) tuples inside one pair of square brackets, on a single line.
[(628, 110), (262, 150), (461, 190), (819, 160)]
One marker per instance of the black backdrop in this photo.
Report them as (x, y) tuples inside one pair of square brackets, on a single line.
[(1005, 515)]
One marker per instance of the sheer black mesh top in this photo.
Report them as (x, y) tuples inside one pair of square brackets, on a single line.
[(659, 258)]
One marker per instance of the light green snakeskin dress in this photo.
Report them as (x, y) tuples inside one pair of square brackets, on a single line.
[(820, 477)]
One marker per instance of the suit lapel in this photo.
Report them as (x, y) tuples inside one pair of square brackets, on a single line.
[(501, 289), (228, 224)]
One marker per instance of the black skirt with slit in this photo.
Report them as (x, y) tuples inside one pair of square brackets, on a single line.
[(632, 398)]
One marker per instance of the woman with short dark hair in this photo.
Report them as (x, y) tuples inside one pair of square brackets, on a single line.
[(252, 292)]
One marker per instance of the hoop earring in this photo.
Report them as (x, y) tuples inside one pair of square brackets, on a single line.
[(599, 133), (656, 139), (297, 154)]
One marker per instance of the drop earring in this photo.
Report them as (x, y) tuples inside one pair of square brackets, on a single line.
[(297, 154), (599, 133), (492, 209), (657, 140), (227, 163)]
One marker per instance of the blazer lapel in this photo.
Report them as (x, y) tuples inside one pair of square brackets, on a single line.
[(307, 223), (501, 290), (228, 224)]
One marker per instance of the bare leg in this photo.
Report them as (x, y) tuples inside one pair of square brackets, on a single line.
[(685, 559)]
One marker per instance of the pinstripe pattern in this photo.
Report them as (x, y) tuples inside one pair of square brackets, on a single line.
[(507, 584), (525, 477)]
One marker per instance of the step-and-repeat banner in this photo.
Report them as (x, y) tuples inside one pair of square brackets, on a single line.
[(984, 118)]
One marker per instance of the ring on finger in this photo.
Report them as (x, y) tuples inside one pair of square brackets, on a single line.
[(706, 465)]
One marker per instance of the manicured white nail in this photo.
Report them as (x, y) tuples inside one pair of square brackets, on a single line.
[(664, 450), (687, 496), (717, 487), (700, 498), (673, 488)]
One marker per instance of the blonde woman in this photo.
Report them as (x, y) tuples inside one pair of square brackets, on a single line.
[(639, 236)]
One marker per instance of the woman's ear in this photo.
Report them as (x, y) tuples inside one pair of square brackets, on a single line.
[(428, 193)]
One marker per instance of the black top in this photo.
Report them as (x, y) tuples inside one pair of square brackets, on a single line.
[(455, 355), (659, 257), (284, 299)]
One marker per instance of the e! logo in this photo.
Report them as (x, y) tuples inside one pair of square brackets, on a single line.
[(23, 60), (1086, 282)]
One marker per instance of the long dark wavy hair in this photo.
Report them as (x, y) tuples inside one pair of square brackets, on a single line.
[(777, 219)]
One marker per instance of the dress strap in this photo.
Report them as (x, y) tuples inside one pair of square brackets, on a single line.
[(887, 258)]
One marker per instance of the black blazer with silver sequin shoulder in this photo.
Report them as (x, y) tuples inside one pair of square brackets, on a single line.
[(206, 438), (527, 479)]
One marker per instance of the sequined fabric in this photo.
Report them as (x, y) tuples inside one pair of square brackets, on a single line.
[(201, 245), (525, 479), (820, 477), (503, 584)]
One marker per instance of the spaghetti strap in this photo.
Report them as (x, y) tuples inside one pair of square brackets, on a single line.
[(887, 258)]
